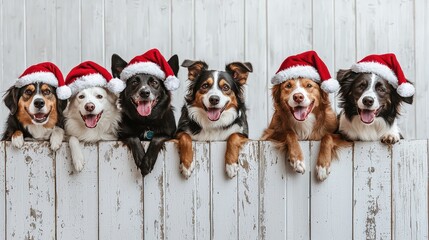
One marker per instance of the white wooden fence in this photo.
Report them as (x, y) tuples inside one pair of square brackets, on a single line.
[(373, 192)]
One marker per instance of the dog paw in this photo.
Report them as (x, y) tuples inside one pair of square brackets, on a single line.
[(78, 163), (298, 166), (56, 142), (231, 170), (390, 138), (322, 173), (18, 141), (186, 172)]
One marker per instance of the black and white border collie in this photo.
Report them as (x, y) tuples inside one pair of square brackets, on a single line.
[(371, 107), (214, 111)]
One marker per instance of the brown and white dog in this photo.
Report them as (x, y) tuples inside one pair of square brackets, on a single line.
[(35, 109), (303, 111)]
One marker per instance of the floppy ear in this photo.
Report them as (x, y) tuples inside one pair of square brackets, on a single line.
[(11, 99), (194, 68), (174, 64), (118, 64), (239, 71), (343, 74)]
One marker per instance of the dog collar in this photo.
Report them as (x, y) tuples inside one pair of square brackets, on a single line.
[(148, 135)]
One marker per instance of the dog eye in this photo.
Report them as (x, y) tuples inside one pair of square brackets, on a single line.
[(381, 89), (99, 96), (135, 82), (46, 92), (309, 85), (205, 86), (225, 88), (153, 82), (28, 92), (288, 85), (81, 96)]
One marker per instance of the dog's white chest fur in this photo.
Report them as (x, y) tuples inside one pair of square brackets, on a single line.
[(304, 128), (39, 132), (357, 130)]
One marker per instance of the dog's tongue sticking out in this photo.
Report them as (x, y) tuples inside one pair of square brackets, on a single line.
[(39, 115), (367, 116), (300, 113), (91, 121), (214, 113), (144, 108)]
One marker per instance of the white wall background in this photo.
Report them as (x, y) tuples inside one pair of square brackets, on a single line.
[(263, 32)]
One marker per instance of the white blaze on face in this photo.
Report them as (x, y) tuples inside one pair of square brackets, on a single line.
[(299, 89), (214, 112), (369, 92), (96, 96), (39, 115)]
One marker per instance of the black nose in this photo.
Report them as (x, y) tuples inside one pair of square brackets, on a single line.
[(89, 107), (214, 100), (368, 101), (144, 93), (39, 103)]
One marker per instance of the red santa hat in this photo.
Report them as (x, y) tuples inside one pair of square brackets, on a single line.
[(90, 74), (387, 67), (152, 62), (306, 65), (45, 72)]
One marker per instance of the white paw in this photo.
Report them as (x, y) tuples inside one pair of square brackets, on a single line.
[(298, 166), (231, 170), (390, 138), (186, 172), (18, 141), (56, 142), (78, 163), (322, 172)]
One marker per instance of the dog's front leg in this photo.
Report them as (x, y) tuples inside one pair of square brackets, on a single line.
[(56, 138), (186, 154), (233, 146), (76, 154), (137, 150), (152, 152), (17, 139), (392, 136), (294, 152)]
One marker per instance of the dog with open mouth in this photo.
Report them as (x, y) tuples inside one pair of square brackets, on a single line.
[(147, 113), (214, 111), (303, 111), (36, 103), (92, 113), (371, 94)]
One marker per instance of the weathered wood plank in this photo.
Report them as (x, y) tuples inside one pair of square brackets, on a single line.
[(410, 190), (92, 36), (77, 195), (203, 200), (248, 192), (372, 191), (2, 190), (120, 193), (179, 198), (345, 34), (154, 200), (30, 191), (333, 197), (224, 212)]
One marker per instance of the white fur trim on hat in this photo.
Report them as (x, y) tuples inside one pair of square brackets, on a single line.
[(296, 72), (172, 83), (115, 85), (377, 68), (330, 85), (45, 77), (142, 67), (63, 92), (406, 90), (87, 81)]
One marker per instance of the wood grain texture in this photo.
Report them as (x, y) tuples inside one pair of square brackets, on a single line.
[(410, 190), (77, 195), (92, 32), (30, 191), (202, 175), (2, 190)]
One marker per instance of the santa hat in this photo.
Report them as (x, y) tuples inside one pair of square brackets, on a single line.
[(90, 74), (387, 67), (306, 65), (45, 72), (152, 62)]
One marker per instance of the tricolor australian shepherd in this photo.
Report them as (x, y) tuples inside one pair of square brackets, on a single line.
[(147, 113), (35, 112), (214, 111), (371, 107)]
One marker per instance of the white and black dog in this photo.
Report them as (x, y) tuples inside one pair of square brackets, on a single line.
[(371, 102)]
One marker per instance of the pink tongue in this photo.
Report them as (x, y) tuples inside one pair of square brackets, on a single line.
[(91, 121), (39, 115), (214, 114), (367, 116), (300, 113), (144, 108)]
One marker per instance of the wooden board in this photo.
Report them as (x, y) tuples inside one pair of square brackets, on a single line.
[(372, 191), (2, 191), (203, 200), (410, 190), (77, 195), (92, 32), (30, 191), (120, 193)]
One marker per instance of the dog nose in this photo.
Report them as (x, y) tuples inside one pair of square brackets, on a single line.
[(368, 101), (298, 97), (39, 103), (214, 100), (89, 107), (144, 93)]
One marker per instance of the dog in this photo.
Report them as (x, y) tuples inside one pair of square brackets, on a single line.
[(147, 113), (370, 106), (35, 112), (214, 110), (92, 115)]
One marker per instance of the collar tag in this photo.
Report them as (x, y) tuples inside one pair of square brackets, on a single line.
[(148, 134)]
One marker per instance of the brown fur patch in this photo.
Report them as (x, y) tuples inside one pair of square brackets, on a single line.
[(17, 134), (233, 146), (226, 90), (185, 149), (329, 145)]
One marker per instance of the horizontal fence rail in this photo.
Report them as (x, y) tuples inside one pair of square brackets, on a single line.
[(373, 192)]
